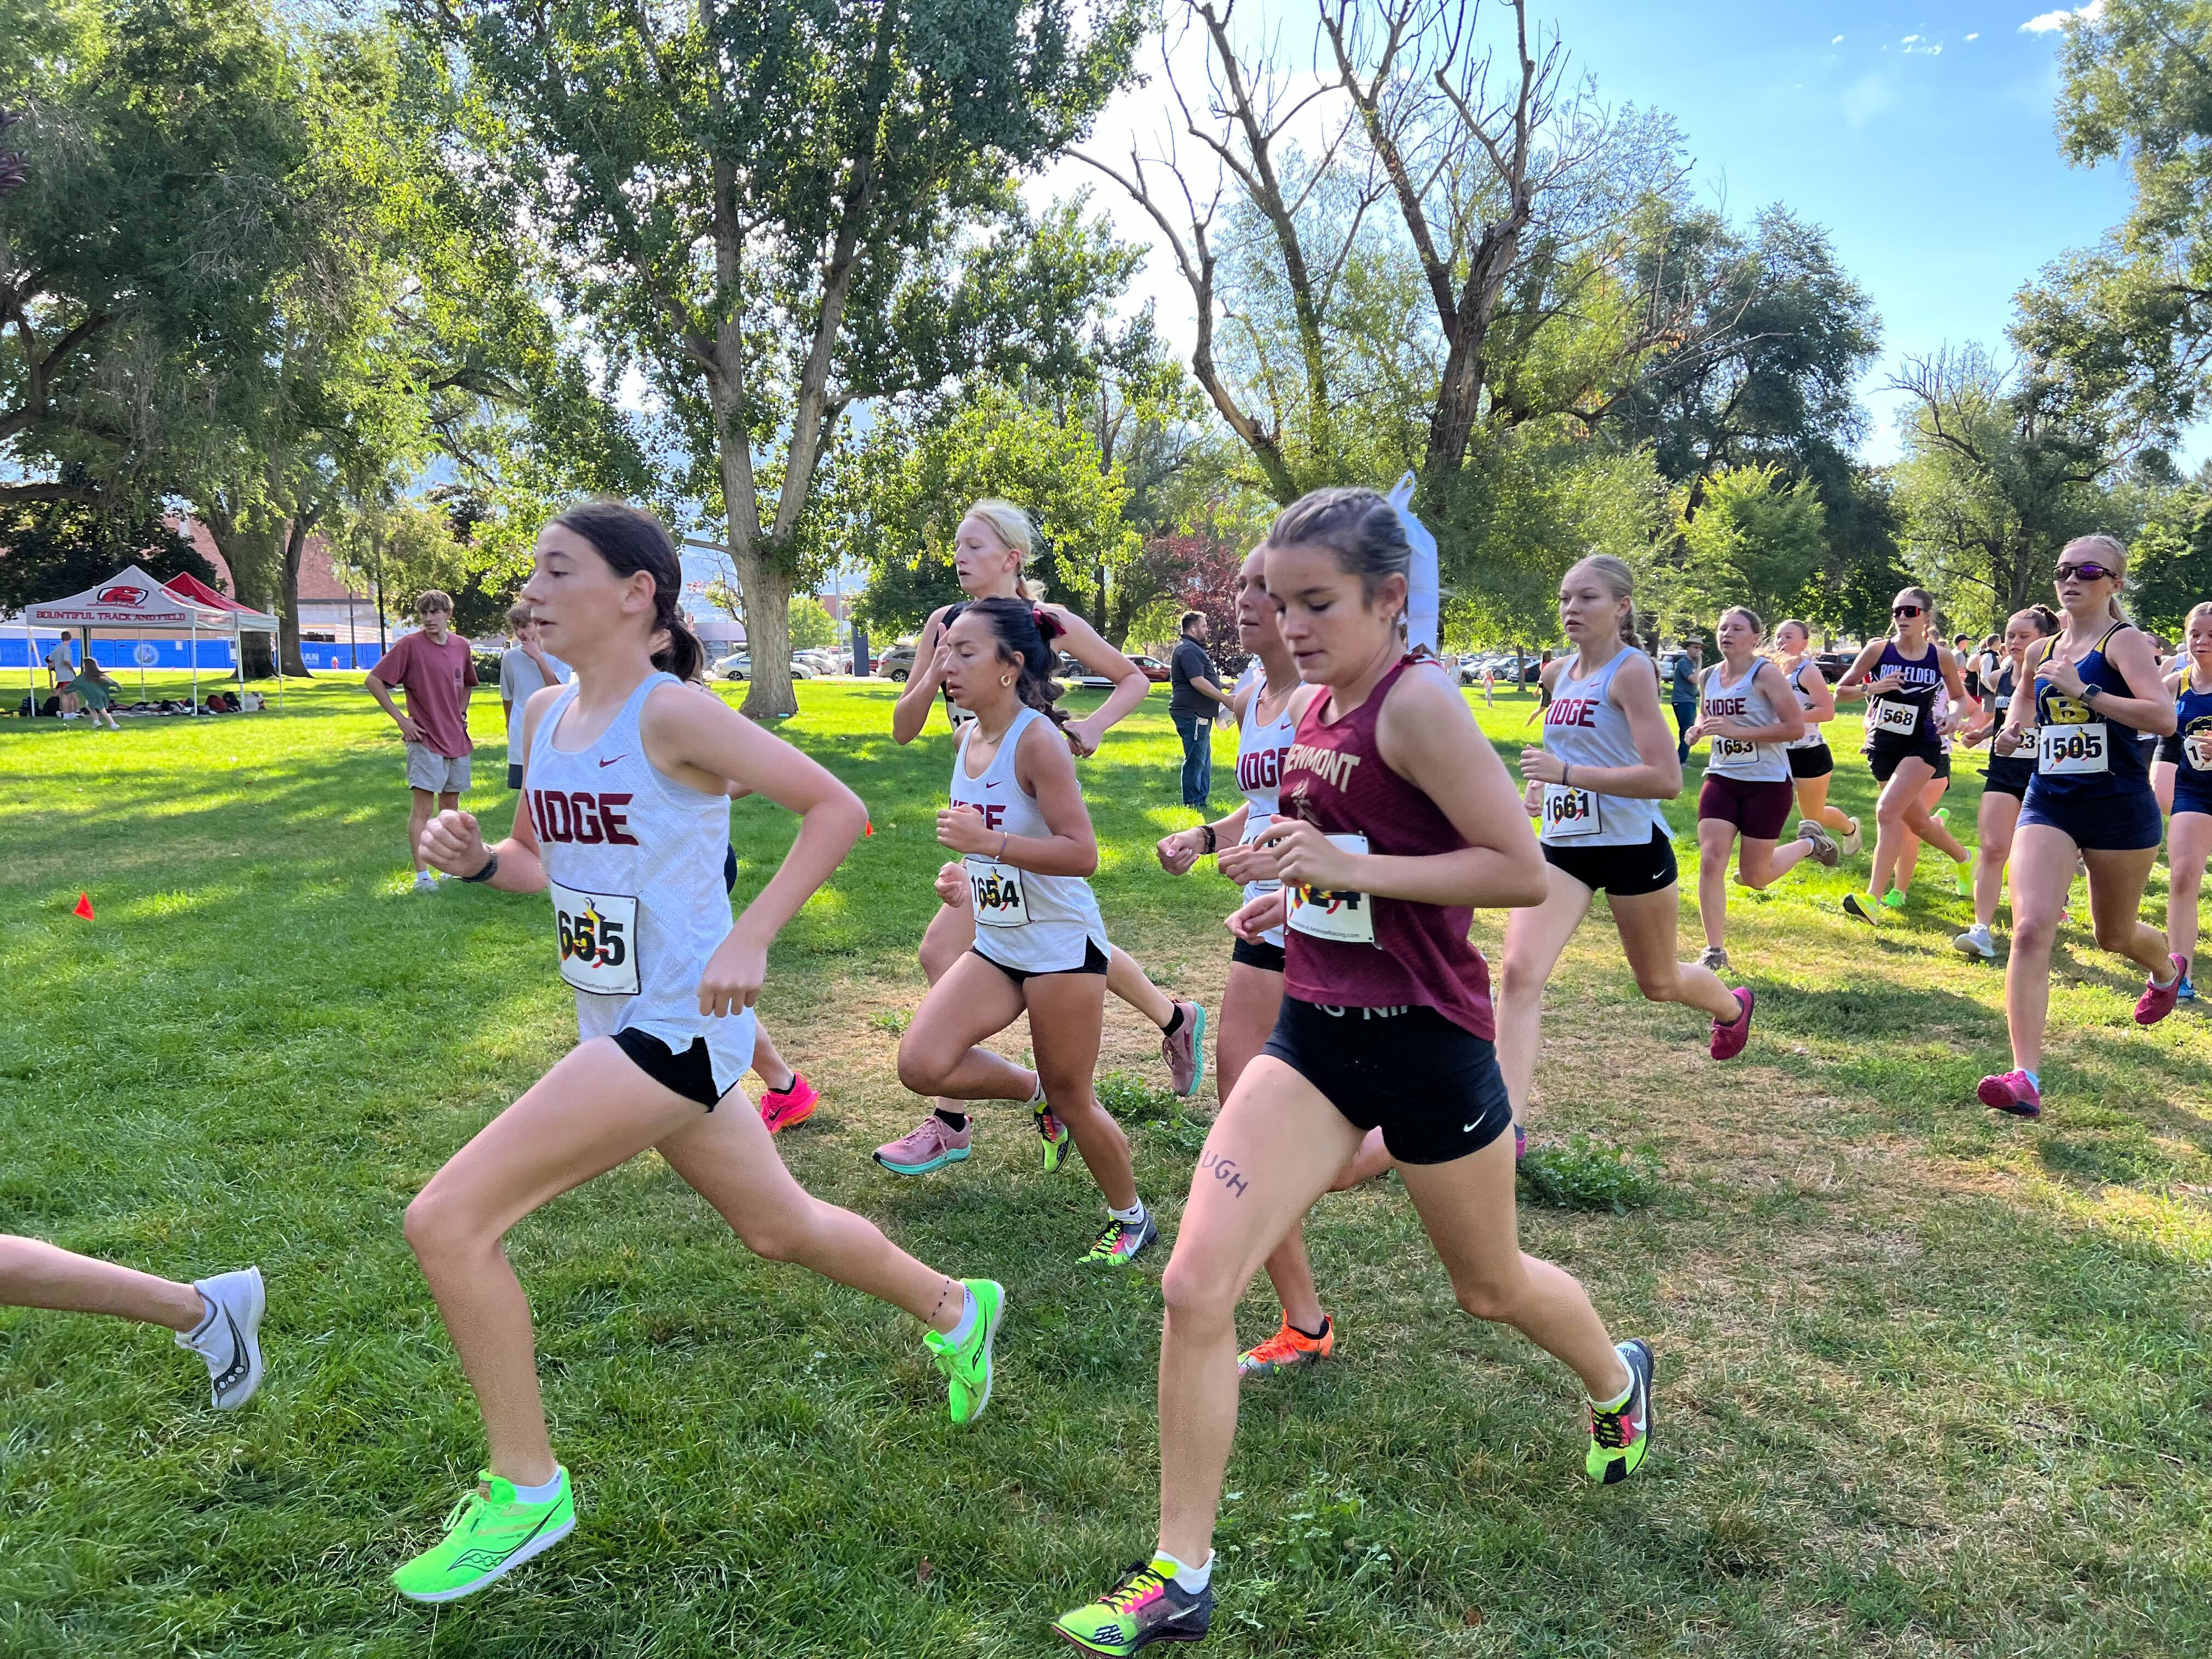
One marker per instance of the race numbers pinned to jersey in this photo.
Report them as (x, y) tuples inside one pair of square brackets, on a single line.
[(1893, 719), (1001, 893), (598, 940), (1345, 917), (1571, 813), (2196, 745), (1728, 748), (2072, 751)]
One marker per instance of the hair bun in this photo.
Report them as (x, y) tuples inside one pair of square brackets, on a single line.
[(1048, 625)]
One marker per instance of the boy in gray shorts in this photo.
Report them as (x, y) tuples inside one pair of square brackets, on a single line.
[(436, 670)]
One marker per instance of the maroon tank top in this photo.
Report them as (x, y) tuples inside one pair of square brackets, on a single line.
[(1351, 950)]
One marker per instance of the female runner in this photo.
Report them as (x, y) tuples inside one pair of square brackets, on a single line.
[(625, 821), (1904, 737), (1267, 710), (1750, 715), (2096, 687), (1016, 818), (1398, 820), (1596, 785), (2005, 785), (217, 1318), (2185, 762), (987, 553), (1812, 763)]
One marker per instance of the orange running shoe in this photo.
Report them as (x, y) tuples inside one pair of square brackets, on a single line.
[(1287, 1348)]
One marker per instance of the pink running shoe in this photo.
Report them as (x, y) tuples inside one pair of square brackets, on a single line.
[(780, 1109), (2011, 1093), (930, 1145), (1729, 1036), (2157, 1000)]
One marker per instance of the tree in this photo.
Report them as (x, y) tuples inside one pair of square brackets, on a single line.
[(778, 212), (56, 548), (811, 626), (1759, 538)]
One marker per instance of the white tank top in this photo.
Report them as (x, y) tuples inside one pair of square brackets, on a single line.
[(1582, 728), (1733, 757), (1813, 737), (1260, 752), (1036, 923), (634, 859)]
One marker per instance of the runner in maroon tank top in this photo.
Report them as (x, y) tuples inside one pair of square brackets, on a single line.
[(1398, 820)]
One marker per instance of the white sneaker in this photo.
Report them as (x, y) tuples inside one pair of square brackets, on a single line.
[(1848, 845), (1714, 957), (1977, 942), (425, 882), (229, 1338)]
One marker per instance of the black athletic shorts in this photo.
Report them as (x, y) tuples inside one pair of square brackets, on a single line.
[(1623, 872), (1882, 760), (1094, 961), (1433, 1086), (2008, 775), (1259, 955), (1815, 759), (690, 1074)]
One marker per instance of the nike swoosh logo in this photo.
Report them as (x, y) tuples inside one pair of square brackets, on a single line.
[(993, 784), (1468, 1128), (606, 763)]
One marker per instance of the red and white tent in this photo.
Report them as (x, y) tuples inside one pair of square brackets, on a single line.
[(134, 600)]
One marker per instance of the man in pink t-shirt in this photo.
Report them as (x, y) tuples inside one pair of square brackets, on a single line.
[(436, 670)]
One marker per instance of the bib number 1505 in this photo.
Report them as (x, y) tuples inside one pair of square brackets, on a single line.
[(2065, 750)]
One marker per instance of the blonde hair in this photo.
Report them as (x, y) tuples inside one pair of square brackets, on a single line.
[(1758, 627), (1011, 526), (2117, 550), (1793, 622), (2196, 613), (1620, 581), (1925, 600)]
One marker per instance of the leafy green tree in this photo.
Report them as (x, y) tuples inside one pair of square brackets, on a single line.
[(777, 212), (1759, 538), (812, 628), (56, 548)]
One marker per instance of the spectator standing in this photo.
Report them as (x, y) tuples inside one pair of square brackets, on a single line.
[(1194, 693), (1683, 669), (61, 663), (435, 668), (523, 668)]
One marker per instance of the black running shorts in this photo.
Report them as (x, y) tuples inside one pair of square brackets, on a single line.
[(1815, 759), (690, 1074), (1623, 872), (1433, 1087), (1094, 961), (1883, 759), (1258, 954), (2008, 775)]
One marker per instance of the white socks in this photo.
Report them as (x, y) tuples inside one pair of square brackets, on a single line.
[(544, 1494), (1192, 1579), (966, 1328), (1132, 1216)]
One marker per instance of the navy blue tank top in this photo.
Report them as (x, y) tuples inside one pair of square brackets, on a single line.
[(2081, 754), (1905, 718), (2192, 782)]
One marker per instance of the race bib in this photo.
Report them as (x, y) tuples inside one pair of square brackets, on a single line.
[(598, 940), (1570, 813), (1255, 825), (2071, 750), (1727, 749), (1001, 893), (2196, 745), (1893, 719), (1348, 917)]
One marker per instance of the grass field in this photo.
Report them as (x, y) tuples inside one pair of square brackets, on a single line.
[(1930, 1382)]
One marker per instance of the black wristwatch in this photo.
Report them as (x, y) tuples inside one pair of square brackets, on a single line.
[(2090, 693), (1211, 840)]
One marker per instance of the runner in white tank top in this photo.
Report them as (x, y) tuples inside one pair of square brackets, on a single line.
[(989, 548), (1750, 715), (1597, 786), (1026, 849), (1812, 762), (1267, 704), (624, 824)]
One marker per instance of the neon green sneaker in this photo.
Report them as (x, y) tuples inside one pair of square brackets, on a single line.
[(1620, 1437), (1895, 898), (1052, 1133), (489, 1533), (967, 1367), (1148, 1606)]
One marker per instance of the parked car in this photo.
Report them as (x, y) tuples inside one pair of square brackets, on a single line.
[(897, 664), (736, 666), (1834, 665), (1151, 668)]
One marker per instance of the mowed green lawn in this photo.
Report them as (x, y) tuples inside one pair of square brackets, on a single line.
[(1930, 1381)]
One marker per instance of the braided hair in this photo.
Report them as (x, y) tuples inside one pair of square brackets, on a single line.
[(1025, 632), (630, 540)]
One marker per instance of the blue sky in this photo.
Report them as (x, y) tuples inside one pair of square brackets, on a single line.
[(1921, 136)]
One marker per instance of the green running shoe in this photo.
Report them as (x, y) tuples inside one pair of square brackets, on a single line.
[(1118, 1245), (1964, 869), (1619, 1439), (1052, 1133), (489, 1533), (1895, 898), (1146, 1606), (967, 1367)]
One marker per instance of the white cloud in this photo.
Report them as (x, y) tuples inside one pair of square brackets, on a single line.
[(1908, 40), (1837, 41), (1974, 37), (2046, 22)]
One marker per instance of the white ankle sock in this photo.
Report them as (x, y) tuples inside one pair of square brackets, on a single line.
[(544, 1494), (1192, 1579), (966, 1328), (1132, 1216)]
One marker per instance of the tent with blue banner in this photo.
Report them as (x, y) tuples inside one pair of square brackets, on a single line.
[(132, 601)]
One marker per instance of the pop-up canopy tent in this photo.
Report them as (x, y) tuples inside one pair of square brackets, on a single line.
[(131, 599)]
